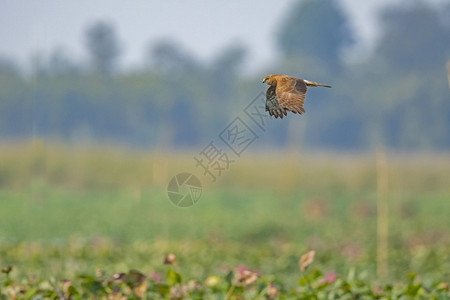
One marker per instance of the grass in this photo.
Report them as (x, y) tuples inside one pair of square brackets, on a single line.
[(70, 212)]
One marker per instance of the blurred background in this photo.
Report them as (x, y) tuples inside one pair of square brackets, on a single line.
[(101, 103)]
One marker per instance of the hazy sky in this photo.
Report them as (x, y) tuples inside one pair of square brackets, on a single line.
[(203, 27)]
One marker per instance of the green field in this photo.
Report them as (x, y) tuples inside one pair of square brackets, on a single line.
[(85, 214)]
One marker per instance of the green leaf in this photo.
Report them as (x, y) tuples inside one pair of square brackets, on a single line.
[(134, 278), (86, 277), (72, 291), (8, 282), (412, 289), (229, 277), (93, 286), (173, 277), (30, 293), (411, 276), (162, 289), (303, 281), (314, 274)]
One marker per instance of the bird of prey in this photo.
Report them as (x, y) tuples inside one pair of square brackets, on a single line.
[(286, 93)]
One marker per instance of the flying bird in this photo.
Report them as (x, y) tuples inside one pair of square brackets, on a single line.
[(286, 93)]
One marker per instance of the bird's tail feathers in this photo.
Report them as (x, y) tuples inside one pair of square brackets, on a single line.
[(312, 83)]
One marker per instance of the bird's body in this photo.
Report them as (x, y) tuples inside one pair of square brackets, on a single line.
[(286, 93)]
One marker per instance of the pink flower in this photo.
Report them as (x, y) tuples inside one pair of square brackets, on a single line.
[(377, 290), (156, 277), (330, 277), (245, 276)]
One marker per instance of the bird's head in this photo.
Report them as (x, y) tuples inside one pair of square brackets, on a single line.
[(270, 80)]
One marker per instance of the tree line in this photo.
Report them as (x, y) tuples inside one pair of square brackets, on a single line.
[(398, 97)]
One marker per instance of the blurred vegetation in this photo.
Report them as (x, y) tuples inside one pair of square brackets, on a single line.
[(73, 209), (398, 97), (170, 281)]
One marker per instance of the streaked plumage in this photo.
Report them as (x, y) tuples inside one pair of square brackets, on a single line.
[(286, 93)]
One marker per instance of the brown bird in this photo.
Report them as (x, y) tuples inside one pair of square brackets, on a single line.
[(286, 93)]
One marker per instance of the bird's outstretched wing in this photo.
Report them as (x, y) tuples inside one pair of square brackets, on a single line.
[(272, 105), (291, 93)]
